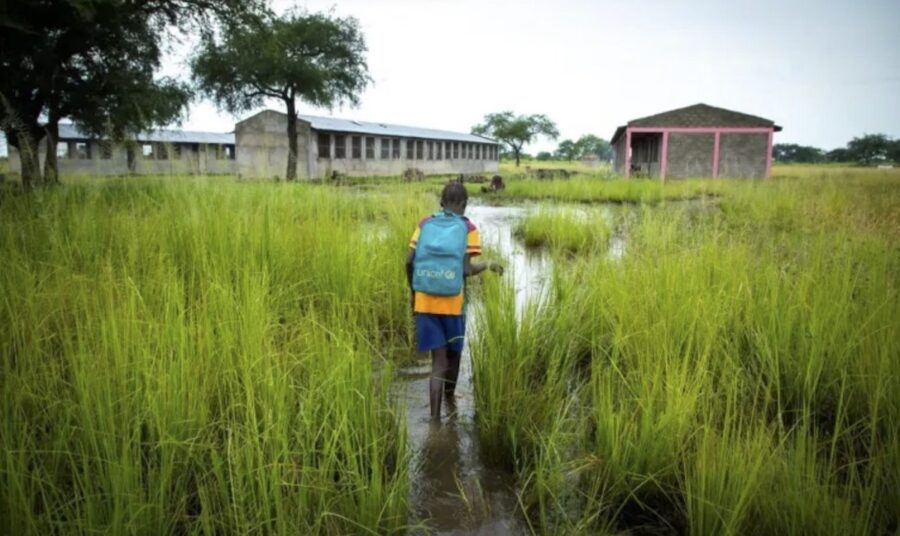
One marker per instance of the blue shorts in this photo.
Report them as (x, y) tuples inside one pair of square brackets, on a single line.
[(435, 331)]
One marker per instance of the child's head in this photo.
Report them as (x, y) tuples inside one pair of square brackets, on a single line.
[(454, 198)]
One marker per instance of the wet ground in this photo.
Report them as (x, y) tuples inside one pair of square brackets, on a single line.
[(453, 491)]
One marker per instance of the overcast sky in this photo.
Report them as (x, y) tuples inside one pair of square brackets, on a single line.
[(824, 70)]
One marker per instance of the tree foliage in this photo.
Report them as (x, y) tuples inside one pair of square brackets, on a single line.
[(566, 150), (590, 144), (839, 155), (791, 153), (586, 145), (94, 62), (516, 131), (317, 58), (894, 151), (869, 149)]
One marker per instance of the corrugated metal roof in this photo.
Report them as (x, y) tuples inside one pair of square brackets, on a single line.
[(69, 131), (335, 124)]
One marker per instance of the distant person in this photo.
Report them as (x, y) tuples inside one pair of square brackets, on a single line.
[(439, 260)]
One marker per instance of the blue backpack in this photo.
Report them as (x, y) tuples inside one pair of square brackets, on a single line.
[(440, 254)]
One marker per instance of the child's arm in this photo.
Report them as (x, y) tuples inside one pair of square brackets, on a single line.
[(475, 268), (410, 257)]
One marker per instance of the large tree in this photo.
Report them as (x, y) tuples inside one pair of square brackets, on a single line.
[(516, 131), (317, 58), (869, 148), (94, 62), (590, 144), (567, 150)]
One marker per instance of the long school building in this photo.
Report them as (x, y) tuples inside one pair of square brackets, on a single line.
[(158, 152), (356, 148)]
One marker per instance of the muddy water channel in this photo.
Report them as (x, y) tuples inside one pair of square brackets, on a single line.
[(453, 490)]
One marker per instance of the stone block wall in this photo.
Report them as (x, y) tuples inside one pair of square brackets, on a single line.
[(690, 155), (743, 155)]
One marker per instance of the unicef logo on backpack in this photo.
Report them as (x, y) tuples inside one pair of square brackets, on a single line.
[(446, 274)]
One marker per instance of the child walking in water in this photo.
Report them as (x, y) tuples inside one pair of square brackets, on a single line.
[(439, 259)]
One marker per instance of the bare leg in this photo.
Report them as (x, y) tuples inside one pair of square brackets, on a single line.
[(439, 371), (453, 361)]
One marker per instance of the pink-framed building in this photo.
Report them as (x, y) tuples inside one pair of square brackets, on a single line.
[(695, 141)]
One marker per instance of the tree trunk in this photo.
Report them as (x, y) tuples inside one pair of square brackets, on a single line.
[(291, 173), (517, 156), (51, 168), (29, 159)]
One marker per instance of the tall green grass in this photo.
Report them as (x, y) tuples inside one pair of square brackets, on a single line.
[(586, 189), (731, 374), (564, 230), (202, 357)]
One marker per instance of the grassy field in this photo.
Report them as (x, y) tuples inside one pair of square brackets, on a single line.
[(200, 355), (734, 373)]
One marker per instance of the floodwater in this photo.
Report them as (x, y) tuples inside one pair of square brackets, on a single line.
[(453, 490)]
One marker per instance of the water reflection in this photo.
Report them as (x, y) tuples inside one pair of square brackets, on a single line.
[(528, 268)]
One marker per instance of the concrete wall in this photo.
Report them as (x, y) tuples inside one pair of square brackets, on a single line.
[(262, 153), (690, 155), (262, 146), (743, 155), (205, 160), (619, 158)]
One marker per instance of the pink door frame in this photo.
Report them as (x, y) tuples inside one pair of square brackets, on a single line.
[(717, 131)]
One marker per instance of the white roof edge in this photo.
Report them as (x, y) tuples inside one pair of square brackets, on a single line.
[(374, 128), (70, 131)]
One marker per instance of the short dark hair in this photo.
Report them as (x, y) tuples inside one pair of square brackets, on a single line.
[(454, 194)]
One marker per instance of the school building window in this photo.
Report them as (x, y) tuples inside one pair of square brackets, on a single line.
[(176, 151), (82, 150), (161, 151), (340, 146), (324, 143), (440, 150), (410, 149), (385, 148), (147, 150), (370, 147), (431, 150), (420, 150), (396, 147), (357, 147)]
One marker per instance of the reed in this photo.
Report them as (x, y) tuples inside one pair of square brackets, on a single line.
[(730, 374), (202, 357), (564, 230)]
